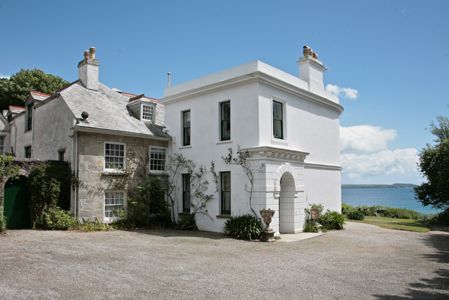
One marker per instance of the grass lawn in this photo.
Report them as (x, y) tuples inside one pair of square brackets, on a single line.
[(398, 224)]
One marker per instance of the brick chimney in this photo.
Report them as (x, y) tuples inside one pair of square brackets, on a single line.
[(88, 70), (311, 69)]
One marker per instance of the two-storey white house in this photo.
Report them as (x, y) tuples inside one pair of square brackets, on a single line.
[(288, 124)]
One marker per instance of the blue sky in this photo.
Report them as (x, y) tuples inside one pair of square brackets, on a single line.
[(395, 54)]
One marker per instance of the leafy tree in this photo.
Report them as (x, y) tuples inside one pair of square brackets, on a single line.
[(14, 91), (434, 165)]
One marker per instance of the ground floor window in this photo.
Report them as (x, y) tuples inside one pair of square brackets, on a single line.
[(114, 204), (2, 144), (28, 152), (186, 193), (225, 187)]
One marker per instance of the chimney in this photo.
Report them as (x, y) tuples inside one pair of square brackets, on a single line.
[(311, 70), (88, 70)]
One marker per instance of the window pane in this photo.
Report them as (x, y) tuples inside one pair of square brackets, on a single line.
[(186, 128), (225, 192), (225, 121), (278, 121), (186, 192), (114, 203), (147, 112), (114, 156), (157, 159)]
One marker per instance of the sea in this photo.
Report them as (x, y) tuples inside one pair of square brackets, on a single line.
[(400, 197)]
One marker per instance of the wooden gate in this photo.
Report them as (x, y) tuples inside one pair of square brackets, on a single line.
[(17, 203)]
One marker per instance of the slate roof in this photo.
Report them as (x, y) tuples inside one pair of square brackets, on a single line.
[(107, 110)]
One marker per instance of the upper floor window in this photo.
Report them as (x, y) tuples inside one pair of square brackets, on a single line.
[(29, 117), (225, 189), (147, 112), (186, 193), (2, 144), (278, 120), (114, 156), (27, 152), (157, 159), (225, 121), (186, 128)]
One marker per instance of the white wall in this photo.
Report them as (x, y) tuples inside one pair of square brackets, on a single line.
[(52, 130), (205, 144), (309, 127), (19, 137)]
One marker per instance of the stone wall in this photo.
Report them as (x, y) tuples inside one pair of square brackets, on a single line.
[(94, 180)]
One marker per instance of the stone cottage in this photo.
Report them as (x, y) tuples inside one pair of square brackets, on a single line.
[(104, 133)]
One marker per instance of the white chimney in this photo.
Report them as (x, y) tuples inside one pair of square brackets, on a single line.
[(88, 70), (311, 70)]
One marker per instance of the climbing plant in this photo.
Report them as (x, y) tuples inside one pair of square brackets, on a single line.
[(240, 158), (8, 169)]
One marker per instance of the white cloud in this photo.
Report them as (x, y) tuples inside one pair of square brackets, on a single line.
[(365, 138), (385, 162), (348, 93), (367, 158), (4, 76)]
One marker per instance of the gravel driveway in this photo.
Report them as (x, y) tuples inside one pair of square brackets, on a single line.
[(361, 262)]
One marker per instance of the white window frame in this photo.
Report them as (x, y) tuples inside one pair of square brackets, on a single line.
[(153, 113), (149, 160), (284, 119), (125, 205), (109, 170)]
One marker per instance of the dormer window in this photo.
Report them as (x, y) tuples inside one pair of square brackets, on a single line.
[(147, 112)]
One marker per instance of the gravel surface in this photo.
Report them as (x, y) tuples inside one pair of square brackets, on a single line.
[(360, 262)]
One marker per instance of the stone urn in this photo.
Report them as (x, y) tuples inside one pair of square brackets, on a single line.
[(268, 233), (314, 214)]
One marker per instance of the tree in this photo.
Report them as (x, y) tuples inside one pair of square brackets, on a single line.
[(15, 90), (434, 165)]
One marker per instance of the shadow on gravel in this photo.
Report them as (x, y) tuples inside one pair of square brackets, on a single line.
[(182, 233), (436, 287)]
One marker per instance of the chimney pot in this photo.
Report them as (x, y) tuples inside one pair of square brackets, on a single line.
[(88, 70), (311, 69), (92, 52)]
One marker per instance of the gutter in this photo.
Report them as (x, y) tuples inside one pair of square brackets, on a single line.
[(118, 132)]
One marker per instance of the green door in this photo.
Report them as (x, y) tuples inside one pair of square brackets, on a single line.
[(17, 204)]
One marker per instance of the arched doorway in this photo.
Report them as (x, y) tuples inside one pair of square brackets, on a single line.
[(287, 204), (17, 203)]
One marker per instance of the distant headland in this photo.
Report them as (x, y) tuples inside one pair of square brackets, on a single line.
[(378, 186)]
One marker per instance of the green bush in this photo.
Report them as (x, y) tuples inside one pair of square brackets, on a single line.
[(95, 225), (346, 208), (310, 226), (332, 220), (186, 222), (55, 219), (355, 215), (147, 206), (246, 227)]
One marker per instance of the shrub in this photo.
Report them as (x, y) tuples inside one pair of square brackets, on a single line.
[(310, 226), (355, 215), (55, 219), (96, 225), (346, 208), (246, 227), (332, 220), (187, 222)]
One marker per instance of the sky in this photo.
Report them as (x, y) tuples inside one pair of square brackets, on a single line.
[(387, 60)]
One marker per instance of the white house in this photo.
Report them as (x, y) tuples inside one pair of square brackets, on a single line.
[(288, 124)]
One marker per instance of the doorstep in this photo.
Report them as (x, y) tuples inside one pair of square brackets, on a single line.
[(295, 237)]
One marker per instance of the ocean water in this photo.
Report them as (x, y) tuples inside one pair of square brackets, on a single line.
[(403, 197)]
